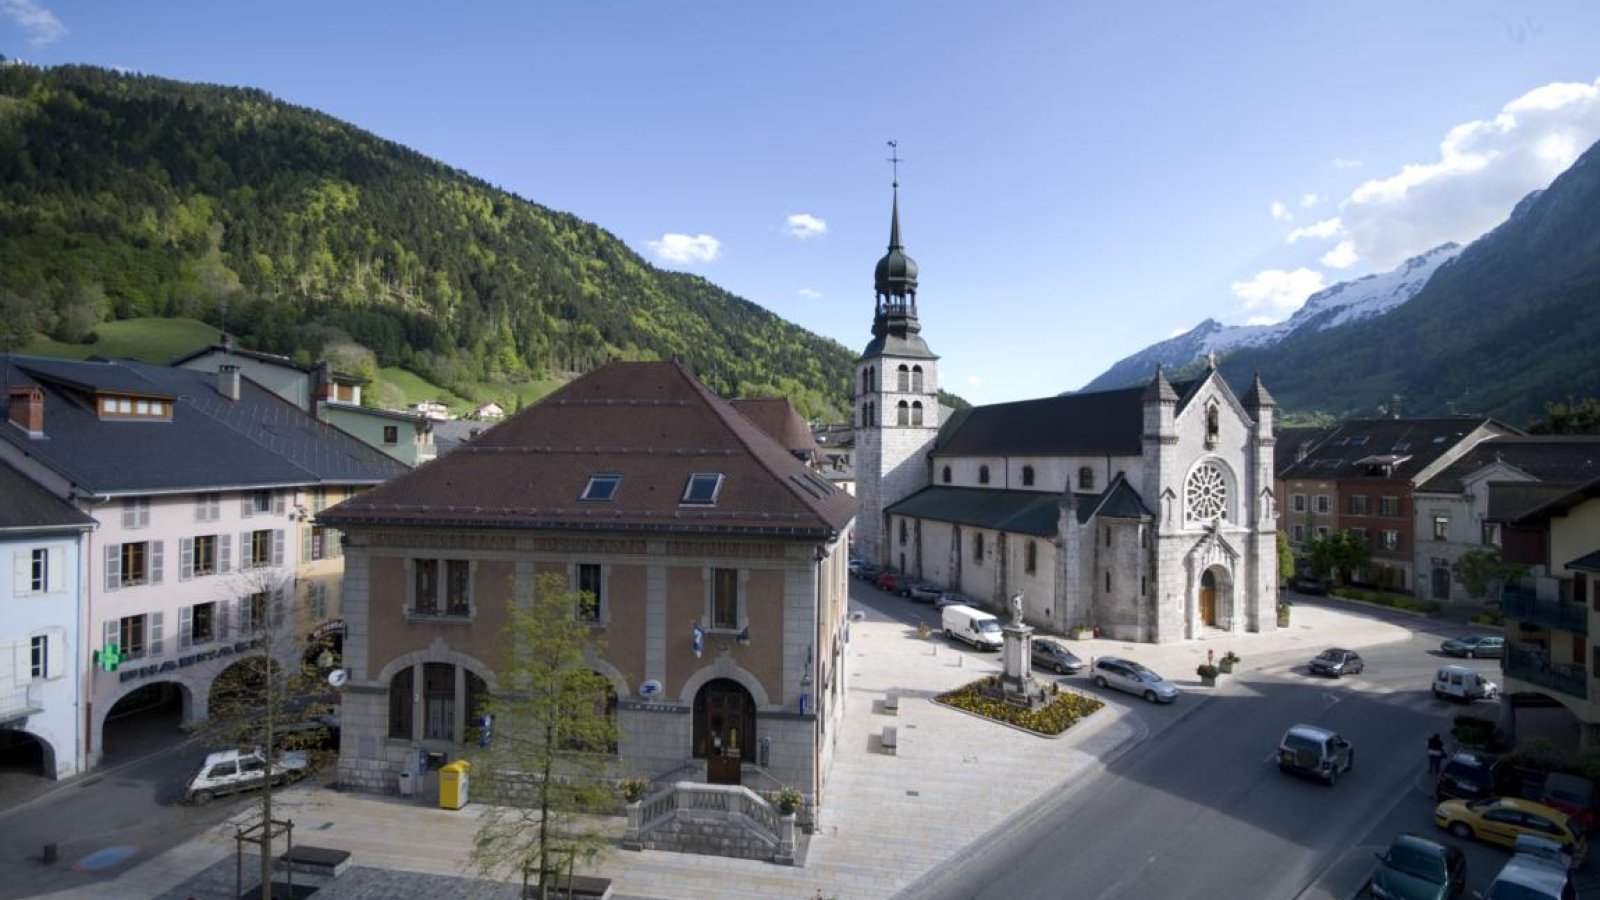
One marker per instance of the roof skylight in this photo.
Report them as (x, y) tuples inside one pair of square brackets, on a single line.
[(702, 488), (601, 487)]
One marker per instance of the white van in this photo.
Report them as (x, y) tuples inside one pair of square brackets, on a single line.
[(974, 626), (1464, 684)]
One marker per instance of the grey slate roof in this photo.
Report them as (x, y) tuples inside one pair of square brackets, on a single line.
[(1589, 562), (1511, 500), (1292, 441), (1120, 501), (1545, 457), (449, 435), (1414, 444), (1097, 423), (1559, 500), (209, 443), (1019, 512), (29, 506)]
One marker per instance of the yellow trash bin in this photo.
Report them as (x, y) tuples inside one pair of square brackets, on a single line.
[(453, 784)]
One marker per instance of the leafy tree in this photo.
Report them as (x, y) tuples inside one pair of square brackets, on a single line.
[(1337, 555), (268, 698), (549, 752), (1285, 558), (1569, 417), (1483, 569)]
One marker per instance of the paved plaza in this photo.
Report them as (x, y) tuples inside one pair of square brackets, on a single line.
[(887, 820)]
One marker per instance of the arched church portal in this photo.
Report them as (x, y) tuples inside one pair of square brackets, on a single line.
[(1216, 601)]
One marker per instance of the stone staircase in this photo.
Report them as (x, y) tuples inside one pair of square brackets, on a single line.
[(711, 819)]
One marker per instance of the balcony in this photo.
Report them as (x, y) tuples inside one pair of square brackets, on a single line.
[(1522, 604), (1535, 667), (21, 702)]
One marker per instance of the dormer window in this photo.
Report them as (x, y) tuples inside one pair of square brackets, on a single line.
[(702, 488), (1027, 476), (601, 487), (113, 406)]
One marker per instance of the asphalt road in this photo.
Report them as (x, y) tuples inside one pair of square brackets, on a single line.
[(1200, 810)]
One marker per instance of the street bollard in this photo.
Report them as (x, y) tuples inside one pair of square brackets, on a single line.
[(50, 854)]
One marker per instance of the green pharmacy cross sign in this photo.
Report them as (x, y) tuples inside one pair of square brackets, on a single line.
[(109, 658)]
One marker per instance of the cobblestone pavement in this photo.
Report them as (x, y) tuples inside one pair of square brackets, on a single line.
[(887, 820)]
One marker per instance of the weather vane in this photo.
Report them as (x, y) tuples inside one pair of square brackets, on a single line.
[(894, 157)]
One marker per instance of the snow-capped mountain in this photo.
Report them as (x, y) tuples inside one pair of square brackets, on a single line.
[(1342, 304)]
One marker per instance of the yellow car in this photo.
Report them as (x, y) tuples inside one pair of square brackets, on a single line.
[(1500, 820)]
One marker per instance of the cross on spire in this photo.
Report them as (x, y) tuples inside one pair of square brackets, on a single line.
[(894, 158)]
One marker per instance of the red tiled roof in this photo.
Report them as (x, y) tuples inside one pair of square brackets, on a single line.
[(778, 419), (651, 422)]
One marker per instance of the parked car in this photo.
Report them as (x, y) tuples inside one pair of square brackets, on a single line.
[(230, 771), (1525, 878), (1471, 776), (1500, 820), (1415, 868), (1051, 655), (974, 626), (1337, 663), (1127, 675), (866, 571), (1317, 752), (1464, 684), (891, 581), (1572, 795), (921, 591), (1308, 584), (954, 598), (1472, 646), (1535, 849)]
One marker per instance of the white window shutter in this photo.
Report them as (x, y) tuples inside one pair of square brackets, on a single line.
[(144, 512), (199, 507), (332, 544), (56, 653), (55, 578), (305, 544), (225, 555), (22, 662), (157, 550), (185, 626), (248, 507), (244, 551), (130, 513), (113, 566), (22, 573), (185, 559), (280, 503), (277, 546), (157, 642), (112, 637), (224, 614)]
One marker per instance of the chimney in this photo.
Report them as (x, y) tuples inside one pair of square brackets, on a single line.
[(227, 342), (324, 386), (1394, 411), (228, 381), (25, 408)]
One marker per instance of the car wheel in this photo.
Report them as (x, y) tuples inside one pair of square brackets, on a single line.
[(1149, 696), (1099, 681), (949, 634), (1333, 777), (1469, 654), (1061, 669), (201, 798), (1461, 830)]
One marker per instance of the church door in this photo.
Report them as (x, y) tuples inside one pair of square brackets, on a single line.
[(1208, 600), (1441, 584), (724, 729)]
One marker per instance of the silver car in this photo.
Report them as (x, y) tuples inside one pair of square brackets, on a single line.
[(1127, 675)]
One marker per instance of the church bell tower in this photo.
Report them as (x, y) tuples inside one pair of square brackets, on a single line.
[(896, 398)]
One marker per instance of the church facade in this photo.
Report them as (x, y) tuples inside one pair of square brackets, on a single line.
[(1145, 512)]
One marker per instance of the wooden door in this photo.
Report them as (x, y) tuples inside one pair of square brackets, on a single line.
[(726, 717), (1441, 584), (1208, 606)]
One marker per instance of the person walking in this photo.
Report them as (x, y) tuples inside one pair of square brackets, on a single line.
[(1435, 753)]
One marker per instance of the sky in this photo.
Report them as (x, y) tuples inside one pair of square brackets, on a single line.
[(1080, 180)]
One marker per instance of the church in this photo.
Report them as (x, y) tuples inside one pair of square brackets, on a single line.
[(1146, 512)]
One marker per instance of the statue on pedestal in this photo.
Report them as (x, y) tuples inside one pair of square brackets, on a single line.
[(1016, 608)]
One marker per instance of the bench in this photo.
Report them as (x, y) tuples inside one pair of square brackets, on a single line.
[(891, 703), (584, 886), (315, 860), (890, 742)]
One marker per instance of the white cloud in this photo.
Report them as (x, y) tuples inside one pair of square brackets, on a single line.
[(1262, 320), (1484, 167), (804, 225), (1180, 331), (809, 294), (685, 249), (41, 24), (1341, 257), (1309, 200), (1278, 289), (1280, 212), (1327, 228), (974, 380), (1341, 163)]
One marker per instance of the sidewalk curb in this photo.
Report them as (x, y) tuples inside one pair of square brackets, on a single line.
[(83, 779)]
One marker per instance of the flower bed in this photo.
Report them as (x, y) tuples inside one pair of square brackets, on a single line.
[(1062, 712)]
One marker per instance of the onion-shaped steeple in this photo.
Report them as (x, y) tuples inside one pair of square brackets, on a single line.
[(895, 280)]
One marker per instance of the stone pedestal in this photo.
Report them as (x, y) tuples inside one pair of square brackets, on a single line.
[(1017, 657)]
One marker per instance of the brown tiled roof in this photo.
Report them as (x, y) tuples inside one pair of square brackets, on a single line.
[(779, 420), (652, 423)]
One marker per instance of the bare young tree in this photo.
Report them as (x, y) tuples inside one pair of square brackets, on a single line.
[(549, 756), (269, 698)]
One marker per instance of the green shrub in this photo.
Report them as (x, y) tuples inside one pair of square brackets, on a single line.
[(1063, 710), (1385, 598), (1472, 730)]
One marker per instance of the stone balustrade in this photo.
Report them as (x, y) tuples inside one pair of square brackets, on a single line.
[(714, 819)]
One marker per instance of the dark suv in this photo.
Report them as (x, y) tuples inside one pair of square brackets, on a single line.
[(1471, 776)]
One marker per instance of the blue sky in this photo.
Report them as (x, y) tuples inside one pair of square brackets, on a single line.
[(1081, 179)]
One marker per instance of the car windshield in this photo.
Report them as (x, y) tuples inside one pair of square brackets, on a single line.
[(1331, 655), (1144, 674), (1416, 863), (988, 625)]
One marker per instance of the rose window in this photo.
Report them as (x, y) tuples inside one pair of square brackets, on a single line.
[(1207, 494)]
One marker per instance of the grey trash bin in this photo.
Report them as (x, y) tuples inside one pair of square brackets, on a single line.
[(408, 784)]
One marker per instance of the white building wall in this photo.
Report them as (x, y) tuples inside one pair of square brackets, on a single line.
[(170, 520), (51, 614)]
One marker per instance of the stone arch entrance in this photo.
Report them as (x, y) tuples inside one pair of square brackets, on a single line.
[(1214, 601), (1208, 599), (724, 729), (146, 717), (26, 754)]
